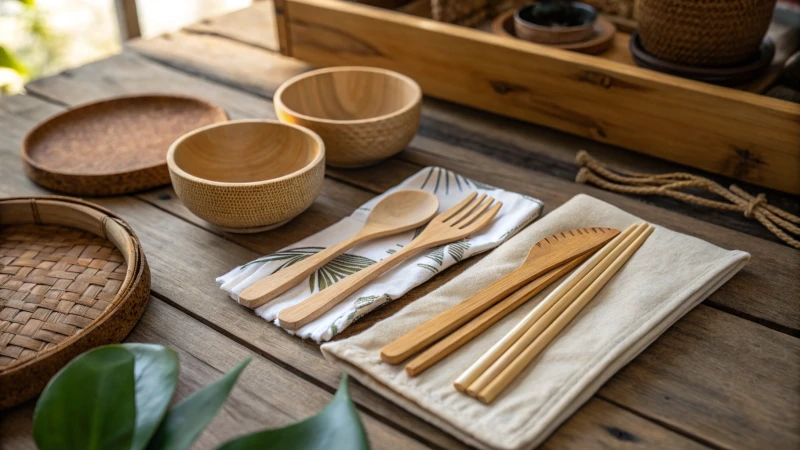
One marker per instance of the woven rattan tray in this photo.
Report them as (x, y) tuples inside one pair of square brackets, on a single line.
[(72, 276), (112, 147)]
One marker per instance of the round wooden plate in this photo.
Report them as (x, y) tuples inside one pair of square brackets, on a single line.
[(72, 277), (604, 31), (114, 146), (725, 76)]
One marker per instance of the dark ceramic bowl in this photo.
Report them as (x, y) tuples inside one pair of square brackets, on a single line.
[(555, 22)]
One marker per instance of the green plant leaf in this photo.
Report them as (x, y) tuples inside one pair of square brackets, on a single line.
[(184, 422), (89, 404), (7, 59), (155, 373), (336, 426)]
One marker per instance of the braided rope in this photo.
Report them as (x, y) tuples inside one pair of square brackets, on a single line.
[(756, 207)]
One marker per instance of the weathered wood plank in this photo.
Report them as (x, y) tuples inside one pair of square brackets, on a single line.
[(266, 395), (185, 260), (703, 383), (185, 268), (254, 25), (528, 145), (765, 291), (263, 71)]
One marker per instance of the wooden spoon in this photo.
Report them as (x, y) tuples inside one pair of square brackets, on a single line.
[(460, 221), (400, 211)]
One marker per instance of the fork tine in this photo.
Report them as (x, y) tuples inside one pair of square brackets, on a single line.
[(477, 224), (476, 212), (462, 206)]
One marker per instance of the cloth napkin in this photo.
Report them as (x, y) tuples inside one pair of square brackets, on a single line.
[(668, 276), (450, 187)]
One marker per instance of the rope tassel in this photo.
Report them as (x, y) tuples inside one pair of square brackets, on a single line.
[(776, 220)]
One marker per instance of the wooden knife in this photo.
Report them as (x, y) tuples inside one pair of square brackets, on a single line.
[(543, 257)]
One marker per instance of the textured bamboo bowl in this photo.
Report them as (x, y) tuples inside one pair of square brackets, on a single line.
[(247, 176), (363, 114), (708, 33)]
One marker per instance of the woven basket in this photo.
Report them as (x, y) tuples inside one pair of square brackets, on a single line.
[(710, 33), (72, 277)]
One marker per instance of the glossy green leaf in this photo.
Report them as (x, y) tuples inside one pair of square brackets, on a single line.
[(337, 426), (89, 404), (155, 373), (184, 423)]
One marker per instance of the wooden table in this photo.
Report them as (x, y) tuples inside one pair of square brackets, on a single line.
[(727, 375)]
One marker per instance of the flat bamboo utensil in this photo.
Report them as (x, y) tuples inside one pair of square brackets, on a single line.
[(488, 394), (465, 218), (547, 254), (481, 365), (478, 325), (398, 212)]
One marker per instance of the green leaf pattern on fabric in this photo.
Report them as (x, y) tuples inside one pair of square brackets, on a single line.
[(360, 304), (338, 268), (457, 249)]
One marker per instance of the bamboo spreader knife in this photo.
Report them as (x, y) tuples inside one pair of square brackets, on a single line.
[(544, 256)]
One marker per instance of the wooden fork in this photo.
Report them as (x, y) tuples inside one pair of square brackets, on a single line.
[(463, 219)]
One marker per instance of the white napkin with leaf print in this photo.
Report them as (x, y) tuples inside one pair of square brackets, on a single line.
[(518, 211)]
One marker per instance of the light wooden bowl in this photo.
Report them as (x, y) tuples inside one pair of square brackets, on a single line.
[(246, 176), (363, 114)]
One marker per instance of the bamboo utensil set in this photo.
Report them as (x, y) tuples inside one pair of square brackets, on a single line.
[(504, 361), (463, 219)]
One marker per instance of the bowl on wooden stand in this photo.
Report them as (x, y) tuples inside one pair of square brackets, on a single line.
[(247, 176), (555, 22), (363, 114)]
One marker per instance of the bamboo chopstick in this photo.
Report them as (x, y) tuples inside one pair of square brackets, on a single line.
[(478, 325), (509, 373), (484, 362)]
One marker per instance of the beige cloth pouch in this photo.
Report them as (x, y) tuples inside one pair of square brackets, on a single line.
[(668, 276)]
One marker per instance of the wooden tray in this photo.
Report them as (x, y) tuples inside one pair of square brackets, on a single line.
[(606, 97), (112, 147), (72, 277)]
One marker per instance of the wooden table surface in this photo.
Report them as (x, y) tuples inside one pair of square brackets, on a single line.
[(727, 375)]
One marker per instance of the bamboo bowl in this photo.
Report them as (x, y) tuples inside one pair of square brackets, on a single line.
[(363, 114), (247, 176)]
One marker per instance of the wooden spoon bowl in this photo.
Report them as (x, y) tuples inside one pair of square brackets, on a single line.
[(363, 114), (249, 175)]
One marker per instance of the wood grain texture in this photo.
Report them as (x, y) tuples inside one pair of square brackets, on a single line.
[(400, 211), (544, 256), (764, 295), (524, 144), (363, 114), (265, 396), (247, 176), (512, 160), (23, 112), (722, 132), (254, 25), (458, 222), (478, 325)]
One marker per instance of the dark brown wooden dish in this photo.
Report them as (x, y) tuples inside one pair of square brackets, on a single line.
[(112, 147), (725, 76), (73, 276), (603, 38)]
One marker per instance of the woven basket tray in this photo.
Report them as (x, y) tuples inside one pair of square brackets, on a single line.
[(72, 277)]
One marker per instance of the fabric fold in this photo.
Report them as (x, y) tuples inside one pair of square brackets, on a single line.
[(669, 275), (518, 211)]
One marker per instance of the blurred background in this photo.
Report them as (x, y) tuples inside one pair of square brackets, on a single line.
[(43, 37)]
